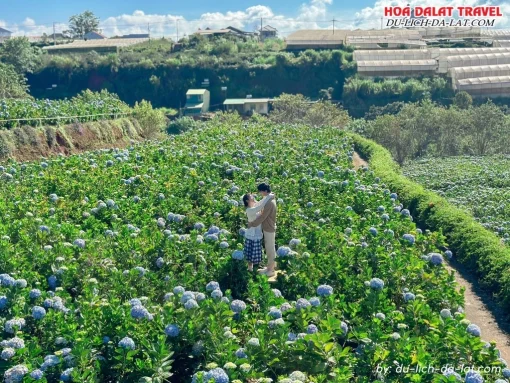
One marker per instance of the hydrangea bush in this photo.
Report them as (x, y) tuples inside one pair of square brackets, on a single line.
[(124, 285)]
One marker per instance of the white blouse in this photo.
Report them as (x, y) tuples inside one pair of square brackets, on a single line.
[(252, 212)]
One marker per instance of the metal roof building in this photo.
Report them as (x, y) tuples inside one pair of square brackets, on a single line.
[(392, 54), (478, 60), (495, 86), (396, 68), (107, 45), (461, 73), (327, 38)]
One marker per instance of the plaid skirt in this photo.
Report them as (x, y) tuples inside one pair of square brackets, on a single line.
[(253, 250)]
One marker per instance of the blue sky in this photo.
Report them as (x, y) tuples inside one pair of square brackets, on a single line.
[(32, 17)]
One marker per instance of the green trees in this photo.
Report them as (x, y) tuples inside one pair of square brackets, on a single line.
[(462, 100), (83, 23), (12, 84), (297, 109), (427, 129), (19, 53)]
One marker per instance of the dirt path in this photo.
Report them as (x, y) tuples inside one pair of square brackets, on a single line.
[(479, 308)]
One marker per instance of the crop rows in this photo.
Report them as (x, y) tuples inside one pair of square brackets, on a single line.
[(480, 185), (126, 266)]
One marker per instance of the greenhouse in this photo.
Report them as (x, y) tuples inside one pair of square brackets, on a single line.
[(501, 43), (383, 42), (475, 60), (496, 86), (396, 68), (461, 73), (327, 38), (392, 54), (499, 34)]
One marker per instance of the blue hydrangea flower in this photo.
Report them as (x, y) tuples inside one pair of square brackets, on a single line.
[(474, 330), (283, 251), (211, 286), (139, 312), (191, 304), (445, 313), (277, 293), (7, 353), (15, 374), (324, 290), (37, 374), (38, 312), (506, 372), (238, 255), (217, 374), (66, 376), (435, 258), (473, 377), (223, 245), (217, 294), (448, 254), (302, 303), (409, 297), (376, 284), (172, 330), (80, 243), (241, 353), (275, 313), (178, 290), (451, 372), (187, 295), (237, 306), (409, 238), (160, 262), (127, 343), (311, 329), (373, 231), (393, 196), (3, 302), (315, 302), (294, 242), (405, 213)]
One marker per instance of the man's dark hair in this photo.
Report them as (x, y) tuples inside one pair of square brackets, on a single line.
[(246, 199), (264, 188)]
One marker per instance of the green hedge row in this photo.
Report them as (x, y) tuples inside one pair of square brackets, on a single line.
[(478, 249)]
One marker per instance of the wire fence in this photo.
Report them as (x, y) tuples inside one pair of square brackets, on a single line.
[(13, 122)]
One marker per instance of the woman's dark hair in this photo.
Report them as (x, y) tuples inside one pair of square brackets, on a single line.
[(264, 188), (246, 199)]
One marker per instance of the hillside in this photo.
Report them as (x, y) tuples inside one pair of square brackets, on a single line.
[(140, 273)]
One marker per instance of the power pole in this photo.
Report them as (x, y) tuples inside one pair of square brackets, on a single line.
[(149, 30), (333, 25), (381, 22), (54, 39), (177, 28), (261, 24)]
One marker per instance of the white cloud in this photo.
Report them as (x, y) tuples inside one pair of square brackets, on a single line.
[(313, 14), (166, 24)]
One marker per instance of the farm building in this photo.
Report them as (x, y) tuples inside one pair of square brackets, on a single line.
[(4, 34), (496, 86), (397, 68), (135, 36), (100, 46), (316, 39), (246, 106), (94, 36), (461, 73), (229, 31), (268, 32), (197, 102)]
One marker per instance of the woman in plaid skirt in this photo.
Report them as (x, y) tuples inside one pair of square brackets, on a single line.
[(253, 236)]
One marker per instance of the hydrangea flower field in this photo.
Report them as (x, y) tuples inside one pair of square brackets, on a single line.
[(93, 105), (127, 266), (479, 184)]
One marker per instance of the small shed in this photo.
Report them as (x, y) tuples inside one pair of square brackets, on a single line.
[(197, 102), (245, 106)]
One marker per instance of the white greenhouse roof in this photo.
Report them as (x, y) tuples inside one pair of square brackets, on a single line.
[(327, 36), (479, 59), (503, 43), (485, 80), (495, 32), (391, 54), (480, 68), (90, 44), (396, 65)]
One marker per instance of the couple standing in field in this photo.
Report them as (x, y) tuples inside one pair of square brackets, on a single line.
[(261, 224)]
